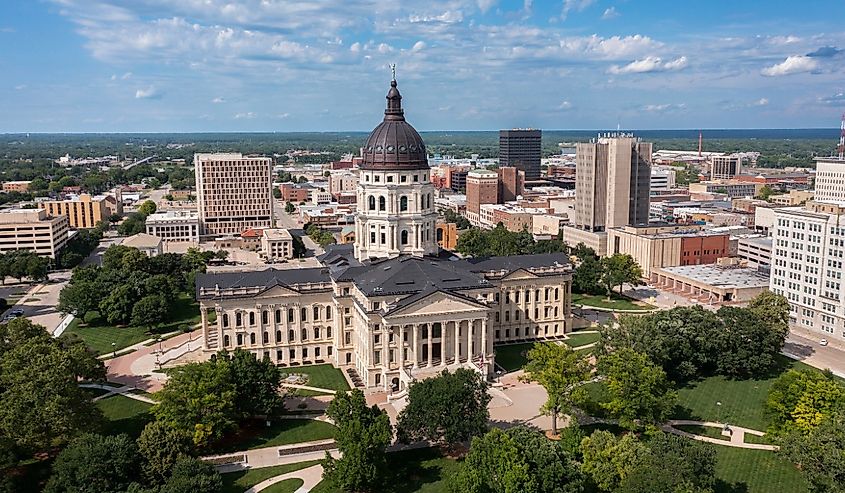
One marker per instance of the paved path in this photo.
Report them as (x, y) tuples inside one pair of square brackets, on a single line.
[(125, 391), (737, 436), (136, 368), (310, 476), (269, 456), (306, 387)]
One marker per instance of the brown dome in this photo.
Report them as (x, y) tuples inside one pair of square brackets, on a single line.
[(394, 144)]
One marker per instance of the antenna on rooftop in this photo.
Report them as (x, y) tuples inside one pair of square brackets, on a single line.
[(842, 138), (700, 138)]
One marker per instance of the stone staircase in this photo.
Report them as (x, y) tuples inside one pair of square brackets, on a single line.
[(212, 340)]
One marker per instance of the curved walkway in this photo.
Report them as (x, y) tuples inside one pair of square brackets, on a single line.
[(125, 391), (310, 476), (737, 435)]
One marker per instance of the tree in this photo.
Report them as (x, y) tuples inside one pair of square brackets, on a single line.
[(362, 437), (638, 389), (303, 179), (289, 208), (36, 268), (41, 402), (673, 464), (117, 307), (256, 383), (517, 460), (799, 400), (472, 242), (150, 311), (191, 475), (277, 194), (147, 208), (765, 192), (95, 463), (160, 446), (449, 408), (608, 459), (560, 371), (751, 344), (773, 309), (820, 454), (619, 269), (80, 297), (587, 275), (132, 225), (199, 400)]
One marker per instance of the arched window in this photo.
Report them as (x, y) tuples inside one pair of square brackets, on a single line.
[(265, 339), (278, 336), (328, 312), (278, 316), (265, 318), (329, 333), (303, 314), (251, 318), (226, 320), (316, 312), (371, 202), (403, 203), (252, 337), (304, 334), (382, 204), (403, 237), (238, 319), (316, 332), (240, 339), (290, 315), (226, 340), (291, 335)]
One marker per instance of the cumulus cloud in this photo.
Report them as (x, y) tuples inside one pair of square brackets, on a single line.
[(661, 108), (418, 46), (825, 52), (564, 105), (20, 87), (574, 6), (125, 76), (485, 5), (837, 100), (218, 100), (649, 64), (795, 64), (148, 93), (610, 13), (247, 115), (761, 102)]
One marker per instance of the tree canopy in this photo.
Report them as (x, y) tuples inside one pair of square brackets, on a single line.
[(94, 464), (801, 400), (499, 241), (820, 453), (619, 269)]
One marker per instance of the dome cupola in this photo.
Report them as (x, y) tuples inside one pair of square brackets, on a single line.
[(394, 145)]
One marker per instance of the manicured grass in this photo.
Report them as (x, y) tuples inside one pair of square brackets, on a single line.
[(281, 432), (94, 392), (286, 486), (323, 376), (616, 302), (575, 340), (707, 431), (413, 471), (756, 471), (765, 440), (124, 415), (306, 393), (512, 357), (99, 336), (237, 482)]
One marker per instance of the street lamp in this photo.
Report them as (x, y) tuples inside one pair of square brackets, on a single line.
[(114, 350), (719, 411), (158, 340)]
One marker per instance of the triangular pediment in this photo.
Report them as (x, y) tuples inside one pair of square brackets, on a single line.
[(520, 274), (277, 290), (439, 303)]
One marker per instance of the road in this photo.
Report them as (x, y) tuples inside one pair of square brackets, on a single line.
[(39, 303), (808, 350), (283, 219)]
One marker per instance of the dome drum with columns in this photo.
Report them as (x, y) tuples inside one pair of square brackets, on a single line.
[(396, 213)]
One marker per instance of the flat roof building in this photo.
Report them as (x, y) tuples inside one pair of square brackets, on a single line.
[(174, 225), (713, 284), (234, 193), (277, 244), (520, 148), (82, 211), (33, 230)]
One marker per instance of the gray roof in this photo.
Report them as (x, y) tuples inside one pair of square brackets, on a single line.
[(410, 275), (515, 262), (262, 278)]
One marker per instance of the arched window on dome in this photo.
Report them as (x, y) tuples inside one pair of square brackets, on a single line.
[(428, 202), (382, 204), (371, 202), (403, 237), (403, 203)]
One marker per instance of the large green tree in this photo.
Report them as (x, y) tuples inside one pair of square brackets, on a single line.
[(191, 475), (256, 383), (608, 459), (95, 464), (560, 371), (639, 391), (362, 437), (820, 454), (801, 400), (673, 464), (618, 269), (147, 208), (41, 403), (449, 408), (750, 343), (160, 446)]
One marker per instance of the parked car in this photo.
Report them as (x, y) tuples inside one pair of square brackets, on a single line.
[(823, 342)]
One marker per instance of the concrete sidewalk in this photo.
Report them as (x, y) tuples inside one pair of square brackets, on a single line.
[(310, 477), (125, 391)]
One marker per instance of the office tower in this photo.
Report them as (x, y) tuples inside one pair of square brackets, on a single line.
[(511, 183), (612, 182), (520, 148), (830, 179), (84, 210), (726, 167), (33, 230), (482, 188), (233, 193)]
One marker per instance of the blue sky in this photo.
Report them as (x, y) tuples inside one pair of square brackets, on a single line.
[(274, 65)]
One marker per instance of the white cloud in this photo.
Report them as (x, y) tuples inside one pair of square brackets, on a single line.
[(610, 13), (564, 105), (248, 115), (147, 93), (282, 116), (575, 6), (418, 46), (485, 5), (761, 102), (660, 108), (649, 64), (218, 100), (20, 87), (795, 64), (837, 100), (355, 47)]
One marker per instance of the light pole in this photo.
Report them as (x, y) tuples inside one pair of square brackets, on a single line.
[(719, 411), (158, 340), (114, 350)]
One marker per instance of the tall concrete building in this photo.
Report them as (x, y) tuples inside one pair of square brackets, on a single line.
[(511, 183), (84, 210), (612, 184), (725, 167), (234, 193), (830, 179), (33, 230), (482, 188), (520, 148)]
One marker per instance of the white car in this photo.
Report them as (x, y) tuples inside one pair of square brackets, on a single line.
[(823, 342)]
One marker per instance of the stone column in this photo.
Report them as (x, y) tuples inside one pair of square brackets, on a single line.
[(470, 326), (430, 332), (443, 334), (204, 320), (415, 345), (456, 339), (401, 346), (484, 341)]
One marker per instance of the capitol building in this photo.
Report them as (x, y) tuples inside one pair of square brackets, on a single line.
[(393, 307)]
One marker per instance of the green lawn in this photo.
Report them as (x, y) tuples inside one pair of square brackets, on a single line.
[(323, 376), (576, 339), (237, 482), (99, 336), (281, 432), (512, 357), (124, 415), (756, 471), (286, 486), (707, 431), (413, 471), (616, 302)]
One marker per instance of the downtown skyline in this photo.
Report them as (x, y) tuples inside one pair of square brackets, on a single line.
[(195, 66)]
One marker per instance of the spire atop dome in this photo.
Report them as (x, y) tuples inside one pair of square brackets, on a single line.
[(394, 144), (394, 100)]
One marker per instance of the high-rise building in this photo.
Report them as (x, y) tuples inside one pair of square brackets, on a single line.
[(234, 193), (83, 210), (830, 179), (511, 183), (396, 213), (612, 183), (482, 188), (726, 167), (33, 230), (520, 148)]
